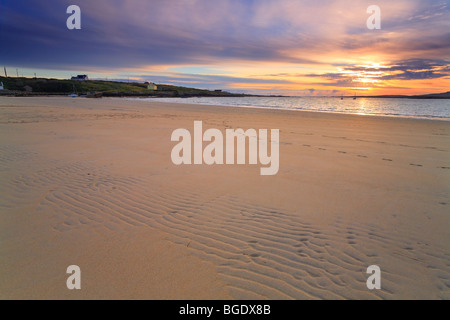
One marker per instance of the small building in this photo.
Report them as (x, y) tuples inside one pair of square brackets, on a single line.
[(1, 86), (28, 89), (151, 86), (80, 77)]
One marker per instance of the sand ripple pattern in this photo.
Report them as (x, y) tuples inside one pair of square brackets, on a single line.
[(260, 252)]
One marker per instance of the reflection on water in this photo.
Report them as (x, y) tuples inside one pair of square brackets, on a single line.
[(424, 108), (362, 106)]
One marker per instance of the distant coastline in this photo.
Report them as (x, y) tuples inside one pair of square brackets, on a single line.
[(22, 86), (444, 95)]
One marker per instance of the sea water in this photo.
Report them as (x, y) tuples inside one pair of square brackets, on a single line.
[(398, 107)]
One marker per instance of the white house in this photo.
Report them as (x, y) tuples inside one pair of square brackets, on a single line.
[(151, 86)]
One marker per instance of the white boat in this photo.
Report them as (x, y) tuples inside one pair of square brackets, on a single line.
[(74, 94)]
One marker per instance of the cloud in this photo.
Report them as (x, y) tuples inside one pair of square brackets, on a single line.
[(204, 80), (138, 35), (413, 69)]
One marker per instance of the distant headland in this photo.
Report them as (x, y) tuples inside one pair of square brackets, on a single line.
[(23, 86)]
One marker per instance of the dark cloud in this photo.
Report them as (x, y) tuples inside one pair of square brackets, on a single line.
[(418, 64), (408, 75), (134, 34), (413, 69)]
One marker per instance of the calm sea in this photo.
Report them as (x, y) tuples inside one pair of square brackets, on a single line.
[(417, 108)]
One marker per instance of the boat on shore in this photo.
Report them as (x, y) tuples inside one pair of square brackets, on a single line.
[(74, 94)]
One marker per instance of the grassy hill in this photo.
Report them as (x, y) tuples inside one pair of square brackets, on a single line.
[(40, 86)]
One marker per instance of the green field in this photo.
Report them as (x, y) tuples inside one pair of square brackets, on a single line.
[(39, 86)]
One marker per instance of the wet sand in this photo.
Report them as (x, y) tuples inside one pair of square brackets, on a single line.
[(91, 183)]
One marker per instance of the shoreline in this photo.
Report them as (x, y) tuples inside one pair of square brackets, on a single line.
[(432, 118), (212, 107), (148, 99)]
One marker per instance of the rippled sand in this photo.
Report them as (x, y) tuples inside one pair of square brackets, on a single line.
[(91, 183)]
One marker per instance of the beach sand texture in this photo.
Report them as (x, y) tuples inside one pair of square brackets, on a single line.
[(91, 183)]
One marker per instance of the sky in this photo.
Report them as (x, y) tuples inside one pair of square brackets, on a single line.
[(279, 47)]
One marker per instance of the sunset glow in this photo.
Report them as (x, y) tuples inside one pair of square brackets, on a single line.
[(265, 47)]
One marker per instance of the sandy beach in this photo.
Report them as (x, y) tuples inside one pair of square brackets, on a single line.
[(90, 182)]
